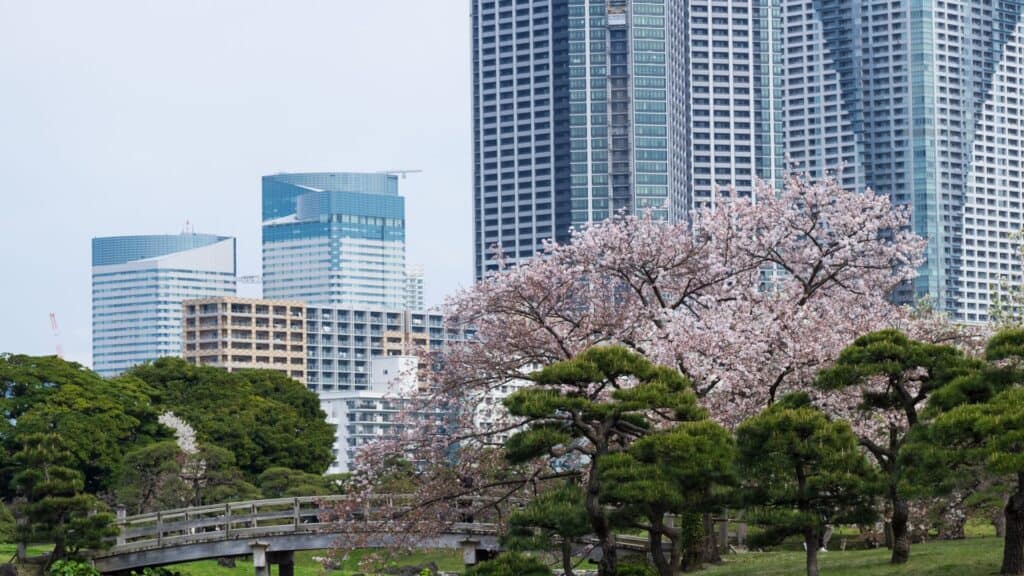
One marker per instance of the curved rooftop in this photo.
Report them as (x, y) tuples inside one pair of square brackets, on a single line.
[(110, 250)]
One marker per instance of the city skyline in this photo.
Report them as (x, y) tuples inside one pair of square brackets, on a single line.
[(100, 140)]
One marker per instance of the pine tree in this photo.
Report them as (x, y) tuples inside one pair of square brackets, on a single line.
[(592, 406), (893, 377), (56, 509), (804, 471), (681, 471)]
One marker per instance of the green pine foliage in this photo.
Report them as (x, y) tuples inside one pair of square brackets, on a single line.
[(554, 520), (510, 564), (803, 471), (55, 505)]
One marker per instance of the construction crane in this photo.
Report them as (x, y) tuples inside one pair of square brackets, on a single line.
[(402, 173), (56, 335)]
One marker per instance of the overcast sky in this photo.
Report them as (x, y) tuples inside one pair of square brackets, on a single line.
[(132, 117)]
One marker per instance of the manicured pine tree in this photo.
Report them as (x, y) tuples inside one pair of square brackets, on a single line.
[(684, 471), (979, 423), (892, 376), (803, 471), (594, 405), (554, 519), (56, 509)]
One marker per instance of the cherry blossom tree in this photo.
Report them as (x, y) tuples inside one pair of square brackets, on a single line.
[(748, 300)]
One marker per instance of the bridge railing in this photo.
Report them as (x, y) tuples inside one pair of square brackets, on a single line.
[(274, 516), (222, 521)]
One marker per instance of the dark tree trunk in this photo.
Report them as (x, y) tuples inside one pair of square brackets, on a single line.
[(567, 557), (1013, 543), (900, 528), (811, 543), (710, 553), (658, 552), (608, 566)]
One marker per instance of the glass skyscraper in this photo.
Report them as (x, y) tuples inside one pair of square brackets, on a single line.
[(584, 108), (138, 284), (921, 101), (334, 239)]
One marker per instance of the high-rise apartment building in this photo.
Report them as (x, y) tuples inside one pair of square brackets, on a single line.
[(342, 341), (334, 239), (725, 98), (923, 97), (583, 108), (414, 289), (138, 285), (245, 333)]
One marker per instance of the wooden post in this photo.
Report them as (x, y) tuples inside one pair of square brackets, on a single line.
[(723, 535), (159, 528), (227, 521), (121, 526), (296, 518), (259, 558), (469, 552), (285, 561)]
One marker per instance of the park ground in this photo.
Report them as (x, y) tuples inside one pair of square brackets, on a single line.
[(979, 556)]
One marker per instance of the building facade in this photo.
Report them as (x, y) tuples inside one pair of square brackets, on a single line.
[(364, 416), (725, 99), (341, 342), (414, 299), (923, 98), (240, 333), (588, 108), (138, 285), (334, 239)]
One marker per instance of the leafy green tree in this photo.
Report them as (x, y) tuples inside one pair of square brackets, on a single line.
[(212, 477), (894, 377), (591, 406), (682, 471), (991, 433), (56, 509), (510, 564), (98, 420), (265, 419), (280, 482), (150, 478), (554, 519), (804, 471)]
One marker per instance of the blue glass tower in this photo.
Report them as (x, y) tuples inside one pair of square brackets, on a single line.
[(920, 100), (334, 239), (587, 108), (138, 284)]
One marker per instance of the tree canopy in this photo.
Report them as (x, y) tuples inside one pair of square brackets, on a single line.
[(804, 471), (263, 418)]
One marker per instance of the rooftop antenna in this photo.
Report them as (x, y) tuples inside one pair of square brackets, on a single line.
[(402, 173)]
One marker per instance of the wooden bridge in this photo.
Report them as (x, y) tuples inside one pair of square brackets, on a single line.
[(270, 530)]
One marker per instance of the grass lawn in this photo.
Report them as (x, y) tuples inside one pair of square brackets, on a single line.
[(971, 557), (447, 560)]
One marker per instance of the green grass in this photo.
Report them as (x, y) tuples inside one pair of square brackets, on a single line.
[(971, 557), (447, 560)]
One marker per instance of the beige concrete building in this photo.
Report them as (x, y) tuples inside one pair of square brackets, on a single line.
[(238, 333)]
